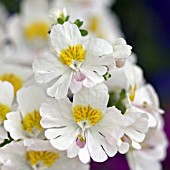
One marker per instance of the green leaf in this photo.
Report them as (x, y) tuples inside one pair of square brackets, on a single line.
[(60, 21), (78, 23), (120, 105), (83, 32), (112, 99), (67, 18), (122, 94)]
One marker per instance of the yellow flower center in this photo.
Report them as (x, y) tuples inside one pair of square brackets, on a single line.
[(46, 157), (132, 92), (94, 26), (4, 109), (37, 30), (32, 121), (72, 53), (16, 81), (83, 114)]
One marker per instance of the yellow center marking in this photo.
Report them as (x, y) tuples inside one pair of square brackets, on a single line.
[(15, 80), (72, 53), (47, 157), (32, 121), (94, 26), (132, 92), (37, 30), (82, 113), (4, 109)]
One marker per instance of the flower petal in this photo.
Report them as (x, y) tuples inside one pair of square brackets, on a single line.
[(63, 36), (30, 99), (96, 151), (96, 48), (60, 89), (6, 93), (47, 68), (64, 139), (96, 97)]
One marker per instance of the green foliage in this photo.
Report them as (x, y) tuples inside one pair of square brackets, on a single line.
[(78, 23), (83, 32), (118, 100)]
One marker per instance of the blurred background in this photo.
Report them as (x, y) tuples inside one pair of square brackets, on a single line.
[(146, 25)]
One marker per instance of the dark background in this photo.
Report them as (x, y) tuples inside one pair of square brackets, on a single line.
[(146, 24)]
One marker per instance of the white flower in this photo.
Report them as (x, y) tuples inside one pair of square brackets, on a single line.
[(152, 153), (28, 31), (17, 75), (98, 20), (86, 127), (37, 155), (25, 122), (129, 77), (147, 100), (6, 101), (136, 128), (77, 62), (120, 52)]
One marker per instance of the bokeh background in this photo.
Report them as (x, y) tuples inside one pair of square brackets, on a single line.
[(146, 24)]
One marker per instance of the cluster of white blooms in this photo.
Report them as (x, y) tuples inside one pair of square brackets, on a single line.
[(70, 90)]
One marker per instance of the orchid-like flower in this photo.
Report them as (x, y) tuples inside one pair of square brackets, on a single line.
[(152, 152), (28, 31), (86, 127), (25, 122), (36, 155), (76, 62), (17, 75)]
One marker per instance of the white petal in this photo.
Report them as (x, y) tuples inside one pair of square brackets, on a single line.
[(96, 97), (121, 49), (6, 93), (123, 148), (88, 83), (96, 48), (60, 89), (136, 145), (75, 86), (64, 141), (96, 151), (63, 36), (84, 155), (134, 134), (73, 150), (101, 70), (95, 77), (22, 72), (30, 99), (47, 68), (130, 73), (55, 115), (13, 125), (110, 150)]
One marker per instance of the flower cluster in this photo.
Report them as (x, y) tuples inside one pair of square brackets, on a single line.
[(71, 92)]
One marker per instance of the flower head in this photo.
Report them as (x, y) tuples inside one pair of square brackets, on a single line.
[(85, 127), (37, 155), (76, 61), (25, 122)]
